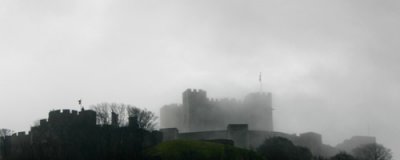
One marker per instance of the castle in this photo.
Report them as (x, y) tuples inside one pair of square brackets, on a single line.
[(69, 134), (199, 113), (247, 123)]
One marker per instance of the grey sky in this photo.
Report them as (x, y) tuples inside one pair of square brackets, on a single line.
[(332, 66)]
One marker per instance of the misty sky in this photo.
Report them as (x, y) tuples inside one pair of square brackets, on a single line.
[(332, 66)]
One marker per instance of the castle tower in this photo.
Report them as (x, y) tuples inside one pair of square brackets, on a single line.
[(114, 119), (194, 107), (260, 116), (133, 122), (87, 117), (171, 116)]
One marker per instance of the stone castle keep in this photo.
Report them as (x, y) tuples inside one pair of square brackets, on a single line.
[(247, 123), (199, 113)]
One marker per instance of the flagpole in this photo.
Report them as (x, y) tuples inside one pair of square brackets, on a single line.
[(80, 104), (260, 80)]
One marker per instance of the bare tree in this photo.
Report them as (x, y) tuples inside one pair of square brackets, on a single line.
[(102, 113), (5, 132), (372, 151), (146, 119)]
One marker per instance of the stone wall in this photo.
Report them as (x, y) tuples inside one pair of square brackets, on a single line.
[(251, 139), (68, 135)]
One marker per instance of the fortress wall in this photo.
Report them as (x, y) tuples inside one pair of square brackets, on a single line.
[(199, 113), (43, 122), (55, 139), (18, 145), (58, 118), (194, 103), (204, 118), (311, 140), (87, 117), (2, 147), (62, 117), (243, 138), (169, 134), (206, 135)]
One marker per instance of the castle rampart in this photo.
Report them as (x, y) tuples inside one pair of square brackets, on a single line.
[(66, 117), (243, 137), (200, 113), (69, 134), (247, 123)]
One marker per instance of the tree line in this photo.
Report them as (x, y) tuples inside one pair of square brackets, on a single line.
[(145, 118)]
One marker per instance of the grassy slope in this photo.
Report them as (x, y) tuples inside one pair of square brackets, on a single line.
[(198, 150)]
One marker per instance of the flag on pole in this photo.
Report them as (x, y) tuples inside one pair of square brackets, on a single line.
[(80, 101)]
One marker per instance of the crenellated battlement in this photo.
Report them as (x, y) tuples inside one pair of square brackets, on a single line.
[(194, 92), (54, 112), (190, 115), (259, 96), (190, 90), (61, 116), (18, 134), (194, 96), (69, 117), (224, 101), (63, 112), (66, 111), (65, 132), (21, 134)]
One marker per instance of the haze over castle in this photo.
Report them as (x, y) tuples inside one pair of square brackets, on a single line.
[(333, 66), (247, 123), (200, 113)]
